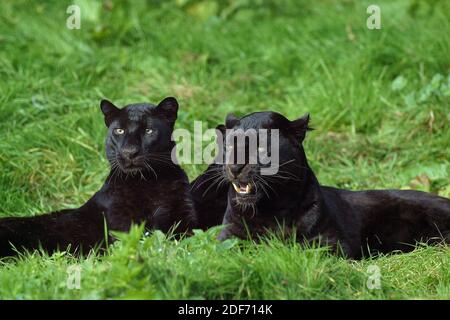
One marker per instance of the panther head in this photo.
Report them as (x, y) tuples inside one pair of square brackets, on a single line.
[(139, 135), (256, 143)]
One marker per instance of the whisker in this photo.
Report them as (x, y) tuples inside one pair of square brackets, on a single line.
[(203, 182), (142, 176), (151, 168), (212, 184), (261, 185), (224, 180)]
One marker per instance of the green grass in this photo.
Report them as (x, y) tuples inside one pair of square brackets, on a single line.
[(379, 100)]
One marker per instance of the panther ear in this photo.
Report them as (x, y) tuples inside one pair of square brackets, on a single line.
[(300, 126), (109, 110), (231, 120), (168, 107)]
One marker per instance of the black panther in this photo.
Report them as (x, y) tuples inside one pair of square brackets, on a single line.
[(354, 223), (144, 186)]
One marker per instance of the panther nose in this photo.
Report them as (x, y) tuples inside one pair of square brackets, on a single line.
[(130, 153), (235, 169)]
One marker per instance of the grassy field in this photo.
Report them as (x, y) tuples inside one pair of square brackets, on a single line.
[(379, 101)]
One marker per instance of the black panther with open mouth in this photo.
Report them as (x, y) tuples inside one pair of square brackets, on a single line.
[(353, 222), (144, 186)]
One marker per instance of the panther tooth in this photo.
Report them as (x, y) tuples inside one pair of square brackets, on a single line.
[(242, 190)]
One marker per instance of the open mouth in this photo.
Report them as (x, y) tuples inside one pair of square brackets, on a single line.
[(242, 188)]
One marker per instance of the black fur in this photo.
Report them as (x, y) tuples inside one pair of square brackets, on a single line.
[(143, 186), (210, 197), (358, 222), (209, 193)]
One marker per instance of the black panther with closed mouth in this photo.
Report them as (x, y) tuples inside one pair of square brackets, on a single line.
[(143, 186), (357, 222)]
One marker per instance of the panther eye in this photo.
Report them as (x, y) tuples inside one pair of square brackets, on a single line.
[(148, 131), (119, 131), (261, 150)]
